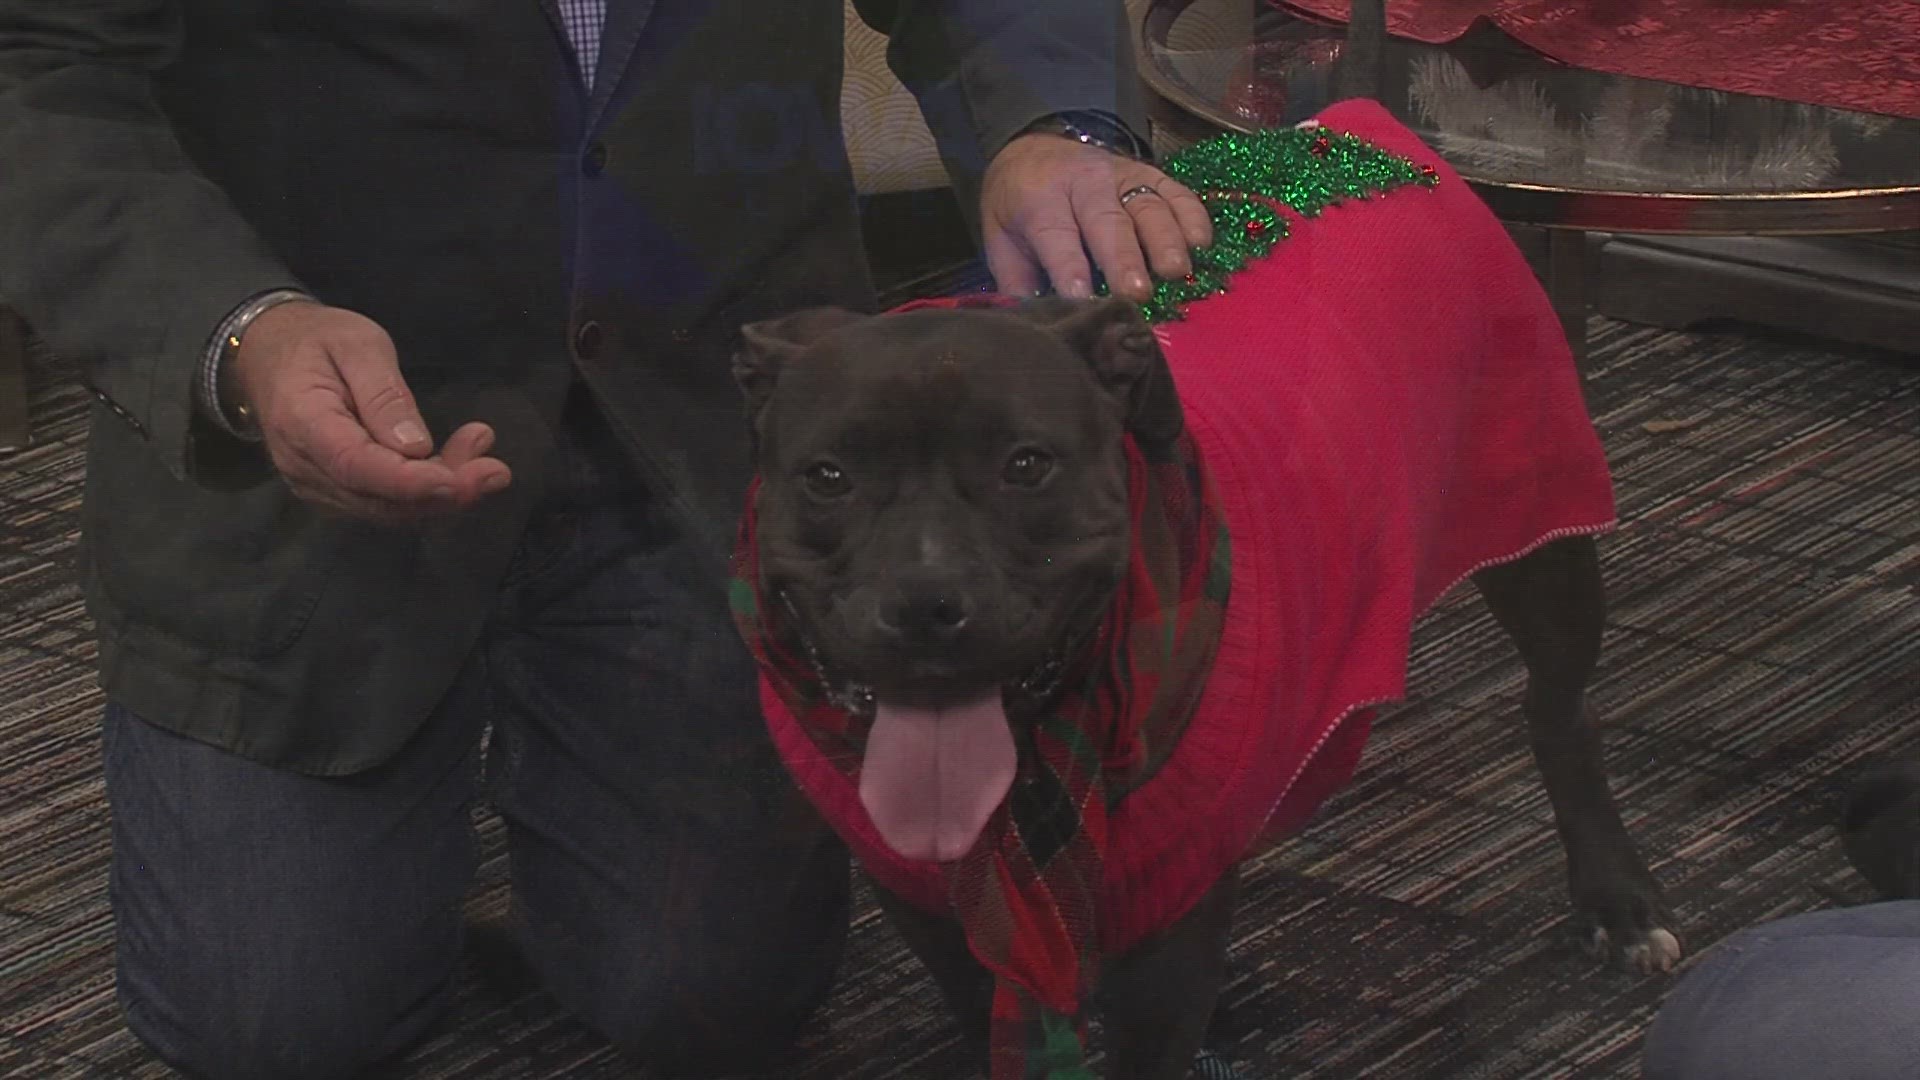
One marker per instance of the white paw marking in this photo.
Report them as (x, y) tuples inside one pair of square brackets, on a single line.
[(1647, 952)]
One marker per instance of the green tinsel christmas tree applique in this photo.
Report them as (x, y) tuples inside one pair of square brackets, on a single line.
[(1305, 169)]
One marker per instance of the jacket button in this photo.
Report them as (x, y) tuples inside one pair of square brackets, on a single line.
[(586, 340), (594, 162)]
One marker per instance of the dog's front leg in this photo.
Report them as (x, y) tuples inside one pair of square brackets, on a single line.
[(1157, 998), (941, 945), (1553, 605)]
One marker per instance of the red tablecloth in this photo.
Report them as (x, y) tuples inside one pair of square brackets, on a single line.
[(1847, 55)]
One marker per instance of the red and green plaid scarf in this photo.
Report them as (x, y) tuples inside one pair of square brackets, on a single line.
[(1025, 895)]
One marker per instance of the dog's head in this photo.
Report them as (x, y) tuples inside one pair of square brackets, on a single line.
[(943, 509)]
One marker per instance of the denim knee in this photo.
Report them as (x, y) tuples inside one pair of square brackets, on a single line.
[(233, 1027), (280, 926), (703, 1004), (717, 1026)]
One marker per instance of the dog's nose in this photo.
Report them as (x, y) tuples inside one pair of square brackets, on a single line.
[(926, 608)]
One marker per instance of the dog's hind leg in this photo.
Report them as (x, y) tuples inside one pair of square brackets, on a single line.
[(1553, 605), (1157, 998)]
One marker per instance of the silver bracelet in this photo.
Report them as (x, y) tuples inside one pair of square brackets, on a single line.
[(235, 421)]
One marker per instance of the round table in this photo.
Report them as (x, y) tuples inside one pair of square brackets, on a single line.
[(1547, 146)]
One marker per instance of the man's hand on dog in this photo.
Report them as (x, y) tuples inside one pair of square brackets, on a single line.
[(1048, 201), (341, 425)]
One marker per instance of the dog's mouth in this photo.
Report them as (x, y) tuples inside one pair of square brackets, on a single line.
[(940, 754)]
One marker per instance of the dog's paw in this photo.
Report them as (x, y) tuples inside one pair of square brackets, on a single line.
[(1626, 917), (1208, 1065), (1644, 952)]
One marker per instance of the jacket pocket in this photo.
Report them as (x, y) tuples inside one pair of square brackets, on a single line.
[(238, 573)]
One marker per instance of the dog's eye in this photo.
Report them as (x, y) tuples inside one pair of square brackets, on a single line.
[(1027, 468), (827, 480)]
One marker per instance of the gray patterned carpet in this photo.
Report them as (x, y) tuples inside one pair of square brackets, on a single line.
[(1765, 639)]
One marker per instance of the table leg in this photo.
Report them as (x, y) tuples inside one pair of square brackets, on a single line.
[(1362, 72), (14, 431), (1567, 265)]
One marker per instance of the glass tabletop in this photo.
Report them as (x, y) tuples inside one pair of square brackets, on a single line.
[(1546, 143)]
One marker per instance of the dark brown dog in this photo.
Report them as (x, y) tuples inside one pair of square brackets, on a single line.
[(944, 501)]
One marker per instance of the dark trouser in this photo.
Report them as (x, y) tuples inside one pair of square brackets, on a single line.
[(1831, 995), (667, 883)]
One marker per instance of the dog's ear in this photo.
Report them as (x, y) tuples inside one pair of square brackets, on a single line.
[(1120, 346), (767, 346)]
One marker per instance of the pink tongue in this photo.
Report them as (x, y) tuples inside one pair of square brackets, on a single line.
[(932, 777)]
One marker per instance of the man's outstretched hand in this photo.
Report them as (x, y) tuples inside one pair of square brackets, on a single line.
[(342, 427)]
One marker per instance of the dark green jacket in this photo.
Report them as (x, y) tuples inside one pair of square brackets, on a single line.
[(435, 165)]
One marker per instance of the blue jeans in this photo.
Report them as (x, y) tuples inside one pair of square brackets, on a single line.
[(668, 884), (1831, 995)]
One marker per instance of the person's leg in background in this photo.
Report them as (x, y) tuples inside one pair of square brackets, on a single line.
[(670, 886), (1830, 994)]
